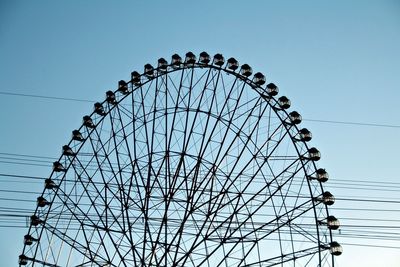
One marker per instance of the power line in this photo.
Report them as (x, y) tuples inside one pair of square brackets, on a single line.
[(26, 160), (355, 123), (25, 155), (18, 218), (21, 176), (370, 200), (335, 181), (367, 245), (311, 120), (24, 163), (47, 97), (367, 182)]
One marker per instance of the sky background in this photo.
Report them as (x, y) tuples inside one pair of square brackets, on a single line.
[(338, 61)]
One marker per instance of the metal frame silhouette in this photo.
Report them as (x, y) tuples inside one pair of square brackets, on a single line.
[(195, 162)]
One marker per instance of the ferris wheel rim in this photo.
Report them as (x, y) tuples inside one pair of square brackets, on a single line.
[(258, 88)]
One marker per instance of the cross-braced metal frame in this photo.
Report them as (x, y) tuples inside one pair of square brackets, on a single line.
[(191, 163)]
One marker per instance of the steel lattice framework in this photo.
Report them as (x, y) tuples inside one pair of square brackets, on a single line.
[(191, 163)]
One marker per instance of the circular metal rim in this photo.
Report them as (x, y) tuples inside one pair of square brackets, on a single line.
[(282, 114)]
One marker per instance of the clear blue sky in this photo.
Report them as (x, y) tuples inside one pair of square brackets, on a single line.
[(336, 61)]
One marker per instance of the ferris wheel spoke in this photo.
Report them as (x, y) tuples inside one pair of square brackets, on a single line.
[(220, 149), (199, 230), (178, 121), (231, 183), (157, 174), (73, 212), (175, 107), (88, 239), (44, 263), (94, 227), (175, 114), (187, 115), (235, 138), (299, 229), (136, 172), (177, 238), (277, 215), (204, 146), (209, 110), (126, 195), (163, 215), (198, 160), (85, 187), (65, 236), (146, 179), (298, 165), (197, 113), (107, 200), (284, 200), (154, 165), (179, 232), (76, 245), (278, 260), (237, 159), (261, 229), (169, 145), (236, 211), (122, 199)]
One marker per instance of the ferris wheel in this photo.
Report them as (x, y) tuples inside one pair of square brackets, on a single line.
[(194, 162)]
